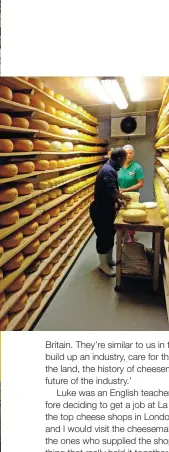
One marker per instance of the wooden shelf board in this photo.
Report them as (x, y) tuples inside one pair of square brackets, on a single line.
[(27, 154), (16, 83), (19, 200), (16, 130), (164, 162), (52, 136)]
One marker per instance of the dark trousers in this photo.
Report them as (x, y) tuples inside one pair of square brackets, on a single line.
[(103, 222)]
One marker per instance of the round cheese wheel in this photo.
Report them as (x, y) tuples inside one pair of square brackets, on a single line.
[(37, 82), (30, 228), (9, 170), (55, 146), (14, 263), (63, 206), (23, 123), (44, 236), (49, 91), (25, 167), (27, 208), (35, 285), (134, 216), (55, 227), (64, 249), (52, 194), (47, 270), (33, 267), (166, 234), (22, 322), (53, 164), (4, 323), (41, 145), (54, 129), (23, 145), (67, 146), (38, 124), (21, 303), (8, 218), (1, 274), (59, 97), (56, 243), (12, 240), (17, 284), (49, 286), (163, 213), (44, 218), (54, 212), (56, 259), (5, 92), (51, 110), (21, 98), (31, 248), (6, 145), (136, 205), (1, 250), (63, 221), (46, 253), (36, 303), (36, 103), (166, 222), (8, 195), (41, 165), (24, 188), (2, 299), (5, 120)]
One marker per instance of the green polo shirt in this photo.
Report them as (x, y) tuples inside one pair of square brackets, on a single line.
[(127, 177)]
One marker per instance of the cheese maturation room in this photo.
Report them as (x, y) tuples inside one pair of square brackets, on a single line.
[(84, 203)]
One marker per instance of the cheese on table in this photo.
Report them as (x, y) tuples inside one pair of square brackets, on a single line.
[(24, 188), (8, 195), (5, 92), (21, 98), (20, 305), (134, 215), (12, 240), (31, 248), (8, 218), (4, 323), (9, 170), (34, 287), (23, 145), (27, 208), (25, 167), (37, 82), (17, 284), (39, 124), (136, 205), (6, 145), (14, 263), (41, 165), (30, 228), (41, 145), (5, 120), (23, 123)]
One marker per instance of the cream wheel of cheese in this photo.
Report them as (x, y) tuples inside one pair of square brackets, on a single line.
[(134, 215), (166, 222), (136, 205), (55, 146)]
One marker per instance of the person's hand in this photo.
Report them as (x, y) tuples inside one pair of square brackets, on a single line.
[(121, 190), (127, 198)]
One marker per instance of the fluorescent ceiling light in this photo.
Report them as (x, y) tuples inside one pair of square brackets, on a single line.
[(114, 91), (93, 86), (135, 88)]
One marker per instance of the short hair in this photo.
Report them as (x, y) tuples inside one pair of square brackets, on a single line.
[(118, 154), (128, 147)]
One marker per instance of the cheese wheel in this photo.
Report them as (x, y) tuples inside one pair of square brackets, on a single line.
[(67, 146), (31, 248), (4, 323), (1, 250), (163, 213), (63, 207), (38, 124), (56, 243), (12, 240), (47, 270), (23, 145), (17, 284), (5, 92), (1, 274), (23, 123), (24, 188), (53, 164), (63, 221), (19, 305), (49, 91), (36, 103), (22, 322), (41, 145), (36, 303), (6, 145), (30, 228), (56, 259), (49, 286), (70, 202), (166, 222), (64, 249), (58, 273), (8, 195), (27, 208), (54, 212), (54, 129), (55, 146), (44, 236), (51, 110), (44, 218), (41, 165), (14, 263), (59, 97), (35, 285), (55, 227), (134, 216), (5, 120), (8, 218), (166, 234), (52, 194), (21, 98), (25, 167), (9, 170), (136, 205), (36, 82), (2, 299), (46, 253)]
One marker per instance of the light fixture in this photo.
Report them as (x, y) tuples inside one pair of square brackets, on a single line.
[(134, 87), (113, 90), (93, 86)]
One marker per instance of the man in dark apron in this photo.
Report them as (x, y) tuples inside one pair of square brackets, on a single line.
[(103, 210)]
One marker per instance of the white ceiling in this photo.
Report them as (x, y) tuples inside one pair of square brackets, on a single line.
[(73, 88)]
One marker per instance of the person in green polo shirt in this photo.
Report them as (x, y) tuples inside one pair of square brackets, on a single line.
[(130, 178)]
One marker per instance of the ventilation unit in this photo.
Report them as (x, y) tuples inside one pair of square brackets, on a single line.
[(128, 126)]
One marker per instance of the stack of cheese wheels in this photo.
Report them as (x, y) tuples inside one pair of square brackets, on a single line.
[(134, 215)]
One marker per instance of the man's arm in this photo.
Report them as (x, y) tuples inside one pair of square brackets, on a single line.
[(112, 190)]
